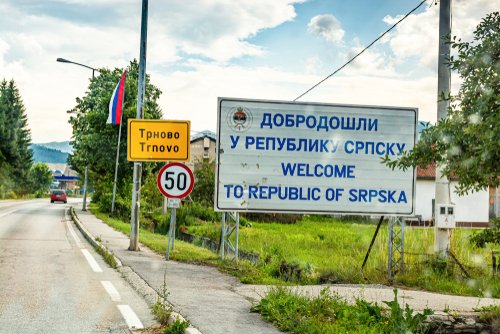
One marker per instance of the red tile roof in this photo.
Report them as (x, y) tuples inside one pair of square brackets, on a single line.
[(429, 173)]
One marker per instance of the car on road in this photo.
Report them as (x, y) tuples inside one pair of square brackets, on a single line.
[(58, 195)]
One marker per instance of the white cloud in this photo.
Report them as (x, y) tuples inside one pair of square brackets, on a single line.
[(418, 35), (193, 95), (328, 27), (103, 34), (312, 65), (218, 29), (203, 37), (371, 62)]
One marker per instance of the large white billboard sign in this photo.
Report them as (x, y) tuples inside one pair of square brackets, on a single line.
[(276, 156)]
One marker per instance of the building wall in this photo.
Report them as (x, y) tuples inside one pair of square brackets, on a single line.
[(197, 149), (471, 208)]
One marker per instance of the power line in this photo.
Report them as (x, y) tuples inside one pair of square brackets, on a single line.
[(356, 56)]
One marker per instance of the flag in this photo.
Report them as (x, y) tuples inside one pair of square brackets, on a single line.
[(116, 102)]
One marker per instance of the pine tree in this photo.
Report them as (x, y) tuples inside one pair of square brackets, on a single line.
[(16, 157)]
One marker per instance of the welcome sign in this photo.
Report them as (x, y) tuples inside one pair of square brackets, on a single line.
[(277, 156)]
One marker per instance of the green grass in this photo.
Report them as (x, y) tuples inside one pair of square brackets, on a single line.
[(107, 256), (331, 251), (183, 251), (490, 315), (319, 249), (329, 313)]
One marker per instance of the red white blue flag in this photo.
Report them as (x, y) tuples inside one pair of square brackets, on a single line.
[(116, 102)]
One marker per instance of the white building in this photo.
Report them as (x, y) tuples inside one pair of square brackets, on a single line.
[(470, 210)]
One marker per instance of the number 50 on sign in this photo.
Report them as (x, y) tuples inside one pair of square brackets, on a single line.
[(175, 180)]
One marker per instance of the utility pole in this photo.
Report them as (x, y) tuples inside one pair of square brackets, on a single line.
[(442, 195), (136, 186)]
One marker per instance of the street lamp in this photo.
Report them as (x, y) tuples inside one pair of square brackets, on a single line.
[(84, 207), (62, 60)]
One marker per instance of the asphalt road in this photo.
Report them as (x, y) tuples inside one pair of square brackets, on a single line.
[(52, 281)]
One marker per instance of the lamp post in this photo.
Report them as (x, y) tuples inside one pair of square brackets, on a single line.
[(62, 60)]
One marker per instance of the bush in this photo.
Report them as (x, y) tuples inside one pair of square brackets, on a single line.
[(178, 327), (184, 217), (203, 191), (10, 194), (151, 198), (122, 205), (201, 212), (489, 235)]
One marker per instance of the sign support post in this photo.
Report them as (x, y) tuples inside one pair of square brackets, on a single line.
[(171, 232), (175, 181), (154, 140), (396, 246), (226, 232)]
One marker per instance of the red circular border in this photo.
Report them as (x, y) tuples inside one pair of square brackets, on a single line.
[(187, 192)]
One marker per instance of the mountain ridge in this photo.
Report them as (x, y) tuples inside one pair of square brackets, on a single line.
[(49, 152)]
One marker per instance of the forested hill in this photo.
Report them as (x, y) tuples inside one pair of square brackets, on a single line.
[(45, 154), (63, 146)]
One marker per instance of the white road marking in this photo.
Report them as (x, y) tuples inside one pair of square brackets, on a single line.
[(111, 290), (92, 262), (7, 213), (130, 317), (73, 234)]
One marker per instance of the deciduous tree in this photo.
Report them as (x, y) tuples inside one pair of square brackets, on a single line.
[(41, 178), (467, 142), (94, 141)]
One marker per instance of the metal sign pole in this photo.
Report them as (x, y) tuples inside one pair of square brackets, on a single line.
[(173, 213), (171, 233), (175, 181), (223, 236), (396, 246), (226, 231), (237, 228)]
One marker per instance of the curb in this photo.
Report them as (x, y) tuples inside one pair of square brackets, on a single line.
[(135, 280), (90, 238)]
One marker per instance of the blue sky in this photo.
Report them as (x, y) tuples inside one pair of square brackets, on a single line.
[(199, 50)]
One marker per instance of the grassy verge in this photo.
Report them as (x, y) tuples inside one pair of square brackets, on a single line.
[(329, 313), (183, 251), (319, 249), (325, 250)]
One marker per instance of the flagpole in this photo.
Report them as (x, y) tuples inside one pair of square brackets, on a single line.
[(116, 164)]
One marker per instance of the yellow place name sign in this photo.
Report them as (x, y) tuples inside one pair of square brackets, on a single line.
[(158, 140)]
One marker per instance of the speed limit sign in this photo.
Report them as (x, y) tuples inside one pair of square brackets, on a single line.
[(175, 180)]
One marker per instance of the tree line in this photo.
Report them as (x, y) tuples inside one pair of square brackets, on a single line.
[(18, 175)]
